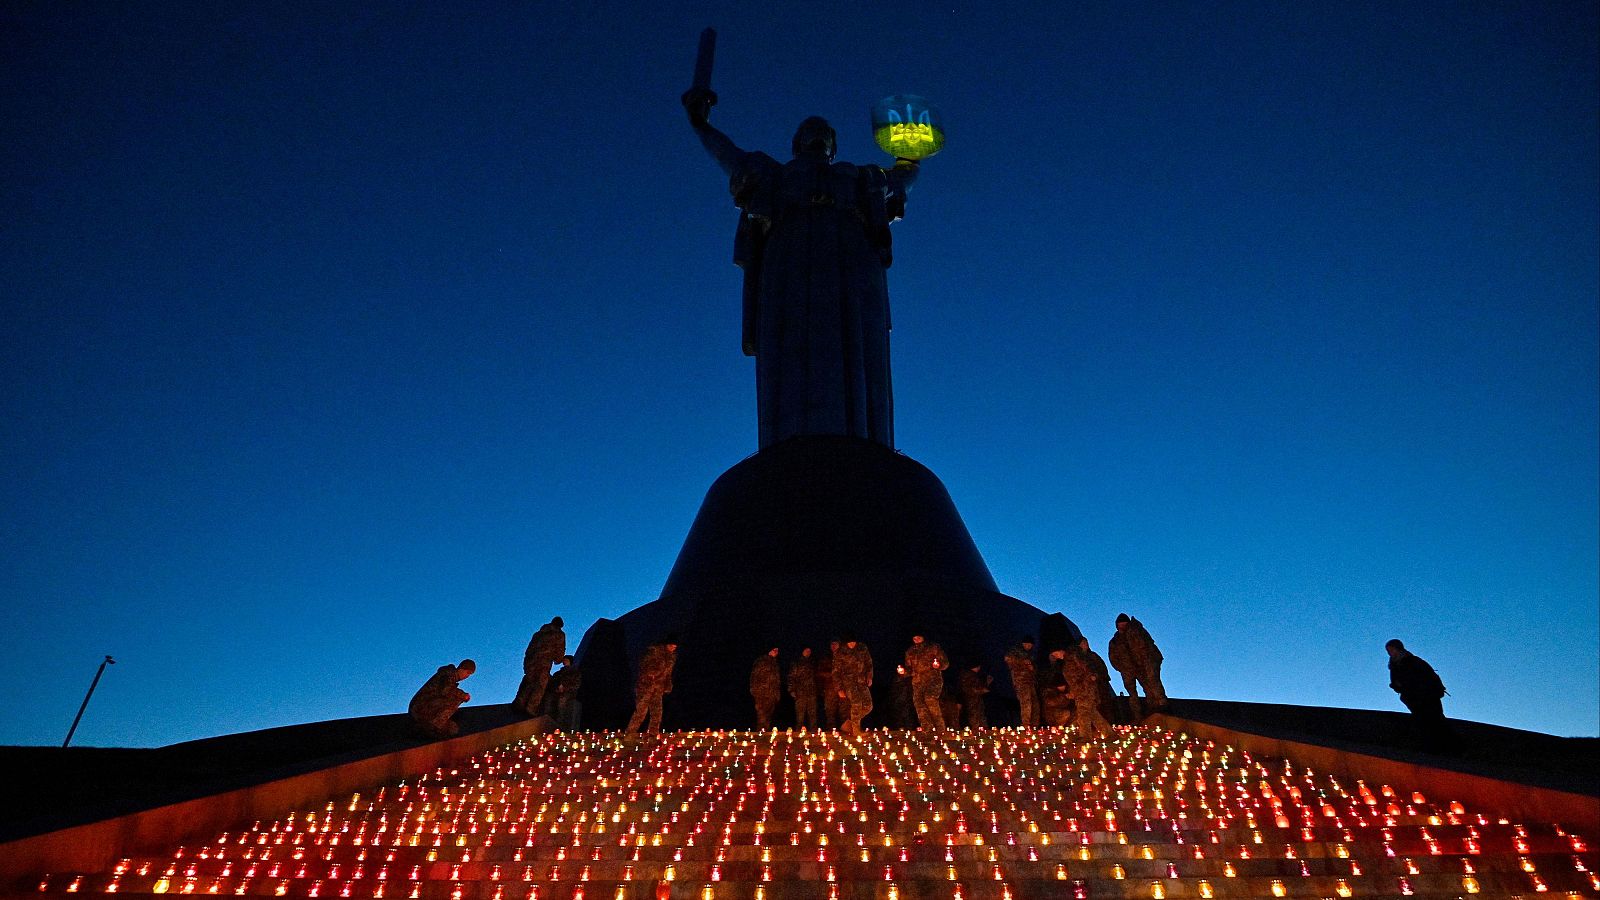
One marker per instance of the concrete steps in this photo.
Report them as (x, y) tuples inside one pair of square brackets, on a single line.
[(994, 813)]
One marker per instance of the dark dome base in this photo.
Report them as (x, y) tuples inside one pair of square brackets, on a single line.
[(795, 545)]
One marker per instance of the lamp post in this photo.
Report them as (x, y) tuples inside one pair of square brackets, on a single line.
[(108, 661)]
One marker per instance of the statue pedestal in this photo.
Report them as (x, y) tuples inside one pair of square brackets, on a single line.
[(808, 538)]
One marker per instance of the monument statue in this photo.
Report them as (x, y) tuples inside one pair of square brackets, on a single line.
[(813, 240), (828, 530)]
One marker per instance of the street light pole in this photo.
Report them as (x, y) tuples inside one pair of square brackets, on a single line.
[(108, 661)]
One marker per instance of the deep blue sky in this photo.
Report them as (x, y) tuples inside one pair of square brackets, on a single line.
[(342, 342)]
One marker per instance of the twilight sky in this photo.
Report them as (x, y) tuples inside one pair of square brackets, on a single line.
[(343, 340)]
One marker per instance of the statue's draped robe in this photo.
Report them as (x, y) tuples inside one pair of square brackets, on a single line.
[(814, 243)]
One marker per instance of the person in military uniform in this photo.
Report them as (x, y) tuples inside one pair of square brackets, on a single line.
[(652, 684), (1054, 698), (564, 686), (433, 707), (1097, 665), (766, 686), (926, 662), (1422, 691), (1134, 654), (852, 679), (833, 702), (901, 706), (973, 684), (548, 644), (1083, 686), (803, 689), (1024, 680)]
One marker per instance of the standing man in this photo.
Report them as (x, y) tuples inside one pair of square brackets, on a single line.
[(973, 684), (433, 707), (1134, 653), (1025, 680), (1054, 695), (564, 684), (1422, 691), (1083, 687), (833, 703), (766, 685), (803, 689), (654, 683), (926, 662), (852, 680), (548, 644), (1097, 665)]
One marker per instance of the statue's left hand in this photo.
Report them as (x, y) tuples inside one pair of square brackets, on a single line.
[(698, 103)]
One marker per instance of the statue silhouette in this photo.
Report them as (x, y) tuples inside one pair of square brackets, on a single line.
[(813, 240)]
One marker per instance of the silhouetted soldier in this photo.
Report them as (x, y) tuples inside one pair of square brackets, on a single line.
[(852, 679), (901, 706), (834, 705), (973, 684), (1083, 686), (564, 686), (433, 707), (1024, 680), (653, 683), (1097, 665), (926, 662), (1134, 653), (803, 689), (1422, 691), (548, 644), (1053, 696), (766, 687)]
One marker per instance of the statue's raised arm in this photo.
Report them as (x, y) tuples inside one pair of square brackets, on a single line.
[(697, 101)]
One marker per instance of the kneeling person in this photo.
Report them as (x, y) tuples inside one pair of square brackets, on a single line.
[(434, 706)]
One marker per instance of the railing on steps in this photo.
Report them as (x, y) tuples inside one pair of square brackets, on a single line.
[(98, 846), (1507, 797)]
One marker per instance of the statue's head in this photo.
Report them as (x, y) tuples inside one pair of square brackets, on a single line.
[(815, 137)]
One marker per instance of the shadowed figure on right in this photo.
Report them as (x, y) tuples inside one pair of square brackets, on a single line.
[(1422, 691)]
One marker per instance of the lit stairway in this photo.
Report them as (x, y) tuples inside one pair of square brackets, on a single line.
[(896, 815)]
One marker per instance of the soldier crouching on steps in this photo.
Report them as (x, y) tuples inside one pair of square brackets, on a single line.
[(433, 707)]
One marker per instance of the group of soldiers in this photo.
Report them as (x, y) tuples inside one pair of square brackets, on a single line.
[(1073, 686), (834, 690), (433, 708)]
